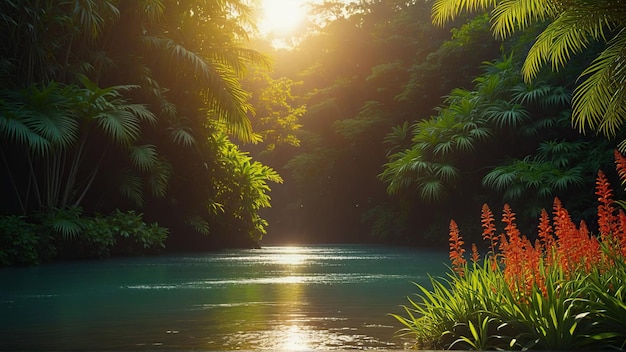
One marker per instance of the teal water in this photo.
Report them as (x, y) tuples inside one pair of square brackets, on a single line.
[(289, 298)]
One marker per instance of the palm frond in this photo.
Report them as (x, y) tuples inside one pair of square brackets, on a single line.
[(229, 101), (239, 58), (510, 15), (568, 34), (16, 130), (399, 135), (432, 190), (506, 114), (574, 176), (598, 101), (158, 178), (131, 185), (447, 10), (443, 148), (121, 126), (141, 111), (500, 178), (65, 222), (144, 157), (182, 135), (40, 116), (527, 93), (447, 172), (199, 224)]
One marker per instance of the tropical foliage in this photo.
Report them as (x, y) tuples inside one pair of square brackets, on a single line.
[(571, 28), (562, 291), (160, 107), (368, 67), (276, 119), (504, 138), (93, 116)]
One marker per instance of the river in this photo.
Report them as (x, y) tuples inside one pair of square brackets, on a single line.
[(287, 298)]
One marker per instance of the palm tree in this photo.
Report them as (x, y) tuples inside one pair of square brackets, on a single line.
[(599, 102), (64, 134)]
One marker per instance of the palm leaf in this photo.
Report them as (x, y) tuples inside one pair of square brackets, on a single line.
[(144, 157), (567, 35), (40, 117), (199, 224), (131, 185), (121, 126), (558, 96), (447, 172), (500, 178), (432, 190), (139, 110), (447, 10), (158, 178), (229, 101), (510, 15), (598, 101), (528, 93), (182, 135), (506, 114)]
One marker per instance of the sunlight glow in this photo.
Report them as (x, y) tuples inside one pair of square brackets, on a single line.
[(281, 17), (291, 259), (295, 339)]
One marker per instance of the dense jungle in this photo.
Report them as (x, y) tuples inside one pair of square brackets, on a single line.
[(147, 126)]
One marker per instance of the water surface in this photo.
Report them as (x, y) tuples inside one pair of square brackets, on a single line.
[(290, 298)]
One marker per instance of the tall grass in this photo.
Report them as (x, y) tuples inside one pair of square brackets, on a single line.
[(564, 290)]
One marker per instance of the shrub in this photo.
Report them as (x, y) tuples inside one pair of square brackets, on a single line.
[(121, 233), (19, 243), (565, 290)]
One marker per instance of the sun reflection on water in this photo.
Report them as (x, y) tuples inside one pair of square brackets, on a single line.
[(292, 256), (283, 318), (294, 339)]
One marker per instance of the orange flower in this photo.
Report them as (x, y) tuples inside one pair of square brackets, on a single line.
[(489, 229), (546, 240), (513, 252), (561, 242), (475, 255), (607, 221), (456, 249), (565, 231)]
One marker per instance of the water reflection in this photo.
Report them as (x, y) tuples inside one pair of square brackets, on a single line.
[(295, 321), (290, 256), (275, 298), (294, 339)]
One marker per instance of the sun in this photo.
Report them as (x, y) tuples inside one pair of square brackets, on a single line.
[(281, 17)]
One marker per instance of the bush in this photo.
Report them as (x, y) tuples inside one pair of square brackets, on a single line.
[(19, 242), (28, 241), (121, 233), (564, 291), (130, 234)]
